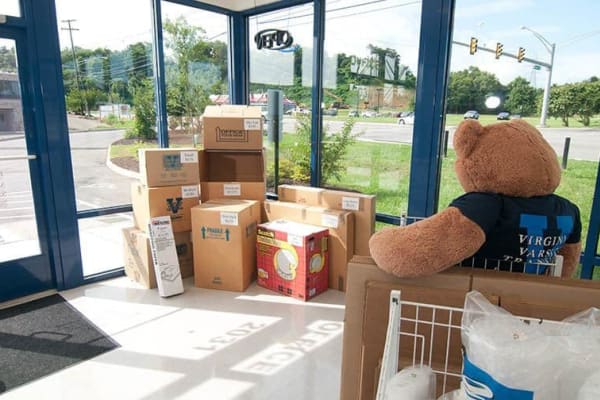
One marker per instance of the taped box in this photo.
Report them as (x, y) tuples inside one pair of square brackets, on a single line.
[(137, 256), (169, 167), (232, 127), (224, 238), (292, 258), (175, 202)]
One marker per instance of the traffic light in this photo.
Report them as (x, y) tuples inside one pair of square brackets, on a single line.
[(499, 48), (521, 54), (473, 46)]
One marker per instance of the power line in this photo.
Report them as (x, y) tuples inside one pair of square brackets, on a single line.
[(71, 29)]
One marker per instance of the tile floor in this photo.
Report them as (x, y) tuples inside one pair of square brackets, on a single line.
[(203, 344)]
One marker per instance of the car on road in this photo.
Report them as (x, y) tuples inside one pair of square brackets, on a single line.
[(471, 114), (403, 114), (331, 111), (407, 119), (368, 114), (503, 116), (353, 113), (515, 116)]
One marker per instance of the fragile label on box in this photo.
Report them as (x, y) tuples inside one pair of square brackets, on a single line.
[(164, 256)]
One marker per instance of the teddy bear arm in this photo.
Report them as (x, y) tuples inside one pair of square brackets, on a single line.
[(570, 253), (428, 246)]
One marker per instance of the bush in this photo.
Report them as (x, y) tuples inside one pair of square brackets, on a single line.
[(145, 115)]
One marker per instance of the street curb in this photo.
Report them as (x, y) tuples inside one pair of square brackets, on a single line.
[(119, 170)]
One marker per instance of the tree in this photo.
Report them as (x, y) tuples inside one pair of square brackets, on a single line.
[(587, 97), (563, 103), (468, 89), (8, 61), (521, 97), (143, 107)]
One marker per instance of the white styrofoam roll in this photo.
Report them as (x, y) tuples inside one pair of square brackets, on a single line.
[(457, 394), (412, 383)]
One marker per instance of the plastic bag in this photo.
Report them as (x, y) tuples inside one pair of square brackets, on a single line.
[(505, 357), (412, 383)]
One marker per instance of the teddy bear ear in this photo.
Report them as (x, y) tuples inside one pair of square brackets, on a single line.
[(466, 137)]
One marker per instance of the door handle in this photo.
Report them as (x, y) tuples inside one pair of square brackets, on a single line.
[(27, 157)]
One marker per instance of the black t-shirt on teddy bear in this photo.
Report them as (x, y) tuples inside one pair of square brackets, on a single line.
[(520, 230)]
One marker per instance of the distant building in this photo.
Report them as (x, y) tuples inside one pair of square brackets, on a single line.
[(11, 110)]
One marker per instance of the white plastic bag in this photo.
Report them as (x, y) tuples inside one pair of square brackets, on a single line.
[(412, 383), (505, 357)]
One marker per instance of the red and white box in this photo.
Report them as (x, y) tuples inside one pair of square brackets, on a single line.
[(292, 258)]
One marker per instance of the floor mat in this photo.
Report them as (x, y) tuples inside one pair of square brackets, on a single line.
[(44, 336)]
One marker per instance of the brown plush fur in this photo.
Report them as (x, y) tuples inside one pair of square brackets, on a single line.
[(510, 158)]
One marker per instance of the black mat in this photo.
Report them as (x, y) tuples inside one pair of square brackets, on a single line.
[(44, 336)]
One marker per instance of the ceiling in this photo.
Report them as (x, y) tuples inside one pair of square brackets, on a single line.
[(238, 5)]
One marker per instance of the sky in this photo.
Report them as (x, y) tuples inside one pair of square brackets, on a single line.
[(395, 24)]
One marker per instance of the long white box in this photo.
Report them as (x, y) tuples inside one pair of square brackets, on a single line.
[(164, 255)]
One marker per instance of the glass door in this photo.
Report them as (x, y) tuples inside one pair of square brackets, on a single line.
[(25, 266)]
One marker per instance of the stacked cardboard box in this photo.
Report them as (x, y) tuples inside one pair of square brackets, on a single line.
[(168, 186), (232, 179), (367, 305), (355, 242), (341, 232)]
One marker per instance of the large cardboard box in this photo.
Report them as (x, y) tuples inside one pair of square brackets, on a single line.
[(232, 127), (232, 175), (341, 233), (169, 167), (366, 318), (292, 258), (367, 305), (224, 238), (138, 256), (173, 201), (362, 205)]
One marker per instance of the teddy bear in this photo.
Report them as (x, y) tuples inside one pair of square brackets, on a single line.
[(509, 217)]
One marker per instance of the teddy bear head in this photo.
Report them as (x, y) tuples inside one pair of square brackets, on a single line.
[(510, 158)]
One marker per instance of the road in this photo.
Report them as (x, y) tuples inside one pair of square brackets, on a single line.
[(585, 143)]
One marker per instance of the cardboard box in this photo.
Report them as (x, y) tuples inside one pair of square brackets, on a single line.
[(362, 205), (341, 233), (164, 256), (366, 318), (224, 238), (169, 167), (138, 256), (292, 258), (367, 305), (232, 127), (173, 201)]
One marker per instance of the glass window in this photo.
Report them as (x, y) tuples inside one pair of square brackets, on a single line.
[(195, 48), (370, 72), (542, 53), (10, 7), (289, 71)]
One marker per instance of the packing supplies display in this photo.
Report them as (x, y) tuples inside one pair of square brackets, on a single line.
[(169, 167), (164, 256), (232, 127), (292, 258), (224, 241), (137, 253), (414, 383), (173, 201)]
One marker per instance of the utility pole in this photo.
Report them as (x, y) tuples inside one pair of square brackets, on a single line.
[(77, 81)]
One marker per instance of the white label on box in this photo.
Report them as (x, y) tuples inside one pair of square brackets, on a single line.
[(330, 221), (350, 203), (229, 218), (164, 256), (190, 191), (252, 124), (295, 240), (232, 189), (189, 157)]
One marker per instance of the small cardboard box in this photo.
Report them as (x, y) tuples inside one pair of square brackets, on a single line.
[(292, 258), (173, 201), (138, 256), (164, 257), (341, 233), (169, 167), (362, 205), (224, 238), (232, 127)]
